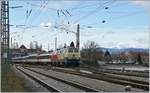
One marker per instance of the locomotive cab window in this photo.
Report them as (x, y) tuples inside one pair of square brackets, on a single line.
[(70, 50), (73, 50), (76, 50)]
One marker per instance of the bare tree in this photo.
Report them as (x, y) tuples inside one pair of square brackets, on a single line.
[(15, 45), (91, 53), (36, 45), (31, 45), (90, 45), (40, 47)]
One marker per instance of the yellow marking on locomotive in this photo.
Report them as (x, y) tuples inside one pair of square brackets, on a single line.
[(73, 55), (70, 55)]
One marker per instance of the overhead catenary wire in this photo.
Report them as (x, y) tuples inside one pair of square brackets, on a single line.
[(122, 16), (64, 12), (88, 13), (83, 18), (91, 13), (51, 35), (94, 11), (85, 6), (26, 20), (39, 11), (68, 12), (118, 17)]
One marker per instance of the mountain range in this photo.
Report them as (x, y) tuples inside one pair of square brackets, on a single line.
[(119, 50)]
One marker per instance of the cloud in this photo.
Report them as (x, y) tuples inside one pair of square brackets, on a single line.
[(48, 24), (144, 3), (142, 40), (117, 37)]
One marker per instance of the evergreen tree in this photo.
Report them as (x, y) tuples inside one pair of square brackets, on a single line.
[(107, 56), (139, 59)]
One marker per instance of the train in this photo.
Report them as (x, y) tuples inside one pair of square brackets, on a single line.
[(69, 56)]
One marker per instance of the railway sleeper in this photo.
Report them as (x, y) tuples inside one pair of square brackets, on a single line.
[(87, 89), (109, 79)]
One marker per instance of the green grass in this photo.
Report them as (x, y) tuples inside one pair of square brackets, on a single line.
[(10, 82)]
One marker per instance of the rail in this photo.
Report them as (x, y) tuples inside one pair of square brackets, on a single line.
[(77, 85), (103, 76)]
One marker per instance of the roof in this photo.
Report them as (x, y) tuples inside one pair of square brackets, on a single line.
[(23, 47)]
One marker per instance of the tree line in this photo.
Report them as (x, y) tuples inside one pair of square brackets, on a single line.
[(92, 53)]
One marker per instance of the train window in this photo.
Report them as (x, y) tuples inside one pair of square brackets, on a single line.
[(44, 57), (32, 57), (62, 51), (70, 50), (59, 52), (25, 57), (76, 50), (73, 50)]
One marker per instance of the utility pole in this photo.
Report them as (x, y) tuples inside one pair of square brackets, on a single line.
[(4, 28), (11, 42), (78, 37), (0, 30), (56, 43), (48, 46)]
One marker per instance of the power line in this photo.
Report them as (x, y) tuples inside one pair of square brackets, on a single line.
[(44, 4), (37, 14), (107, 3), (92, 12), (75, 8)]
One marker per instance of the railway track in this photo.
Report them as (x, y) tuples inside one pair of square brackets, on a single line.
[(146, 71), (122, 77), (106, 77), (144, 74), (50, 88), (111, 71), (110, 78), (53, 88)]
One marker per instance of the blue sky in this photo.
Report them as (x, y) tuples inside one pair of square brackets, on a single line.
[(126, 22)]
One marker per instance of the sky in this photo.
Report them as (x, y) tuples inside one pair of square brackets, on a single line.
[(126, 22)]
